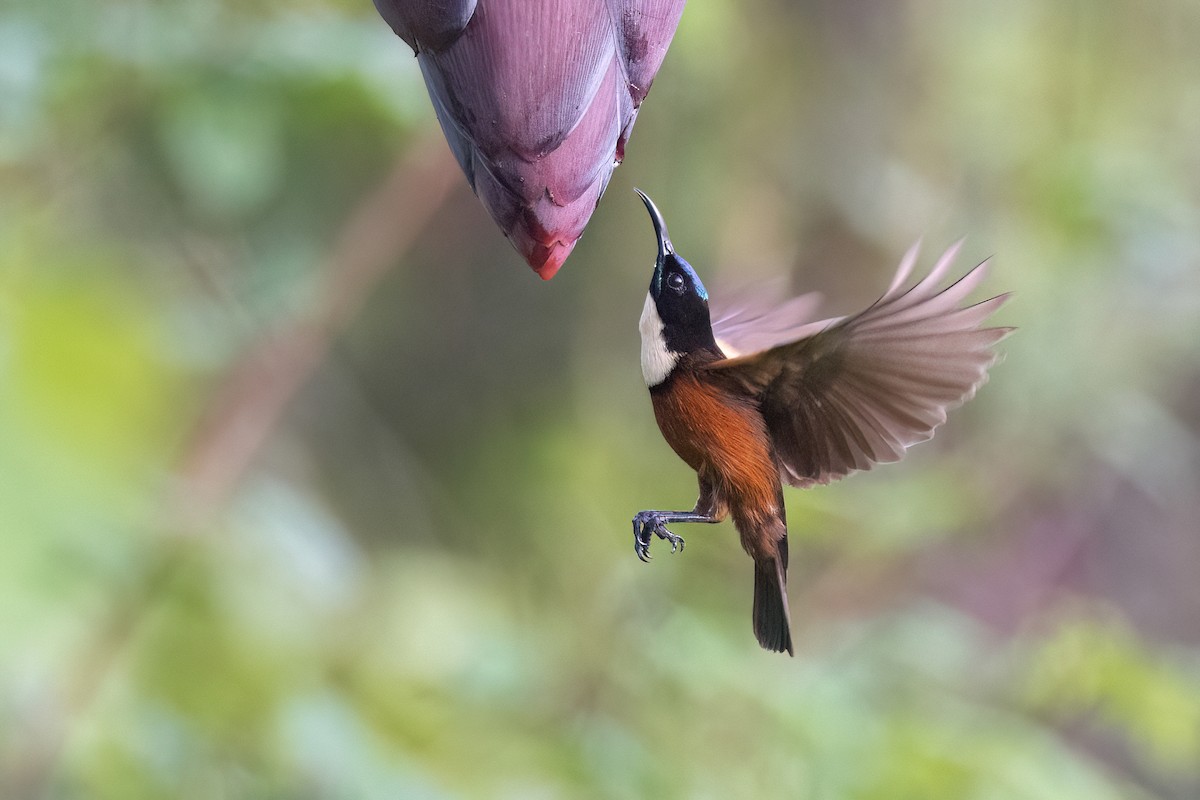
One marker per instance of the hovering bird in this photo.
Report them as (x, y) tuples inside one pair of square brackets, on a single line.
[(753, 399), (537, 99)]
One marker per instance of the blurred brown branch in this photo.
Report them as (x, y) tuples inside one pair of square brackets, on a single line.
[(247, 404), (244, 409)]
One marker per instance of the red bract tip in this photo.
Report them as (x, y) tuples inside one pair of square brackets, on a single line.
[(552, 259)]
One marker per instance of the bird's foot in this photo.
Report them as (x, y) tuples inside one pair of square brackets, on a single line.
[(647, 524)]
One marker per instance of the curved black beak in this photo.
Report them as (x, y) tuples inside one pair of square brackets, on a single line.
[(665, 247)]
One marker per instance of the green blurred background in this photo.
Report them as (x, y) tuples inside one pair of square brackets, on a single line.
[(309, 488)]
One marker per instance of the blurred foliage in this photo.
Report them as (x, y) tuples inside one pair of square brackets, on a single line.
[(423, 585)]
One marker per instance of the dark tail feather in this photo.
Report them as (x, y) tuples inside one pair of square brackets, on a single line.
[(772, 622)]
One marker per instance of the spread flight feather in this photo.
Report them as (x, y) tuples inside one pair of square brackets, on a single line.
[(843, 394)]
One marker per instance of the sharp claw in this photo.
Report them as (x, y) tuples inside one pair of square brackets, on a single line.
[(645, 527)]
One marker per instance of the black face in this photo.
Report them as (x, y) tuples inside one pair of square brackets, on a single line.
[(682, 304), (678, 294)]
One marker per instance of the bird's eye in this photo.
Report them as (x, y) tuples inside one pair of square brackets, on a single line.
[(675, 281)]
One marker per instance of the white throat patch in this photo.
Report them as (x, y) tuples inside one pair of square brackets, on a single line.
[(657, 360)]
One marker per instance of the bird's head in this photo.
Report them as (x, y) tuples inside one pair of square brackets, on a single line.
[(675, 320)]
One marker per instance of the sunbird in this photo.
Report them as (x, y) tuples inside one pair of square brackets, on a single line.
[(756, 398)]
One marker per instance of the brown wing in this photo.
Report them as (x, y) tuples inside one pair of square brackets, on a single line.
[(859, 390)]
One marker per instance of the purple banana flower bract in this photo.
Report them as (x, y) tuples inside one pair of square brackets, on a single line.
[(537, 99)]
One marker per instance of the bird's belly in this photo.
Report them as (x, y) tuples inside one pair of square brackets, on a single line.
[(723, 437)]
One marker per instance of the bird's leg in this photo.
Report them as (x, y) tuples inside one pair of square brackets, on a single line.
[(654, 523)]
